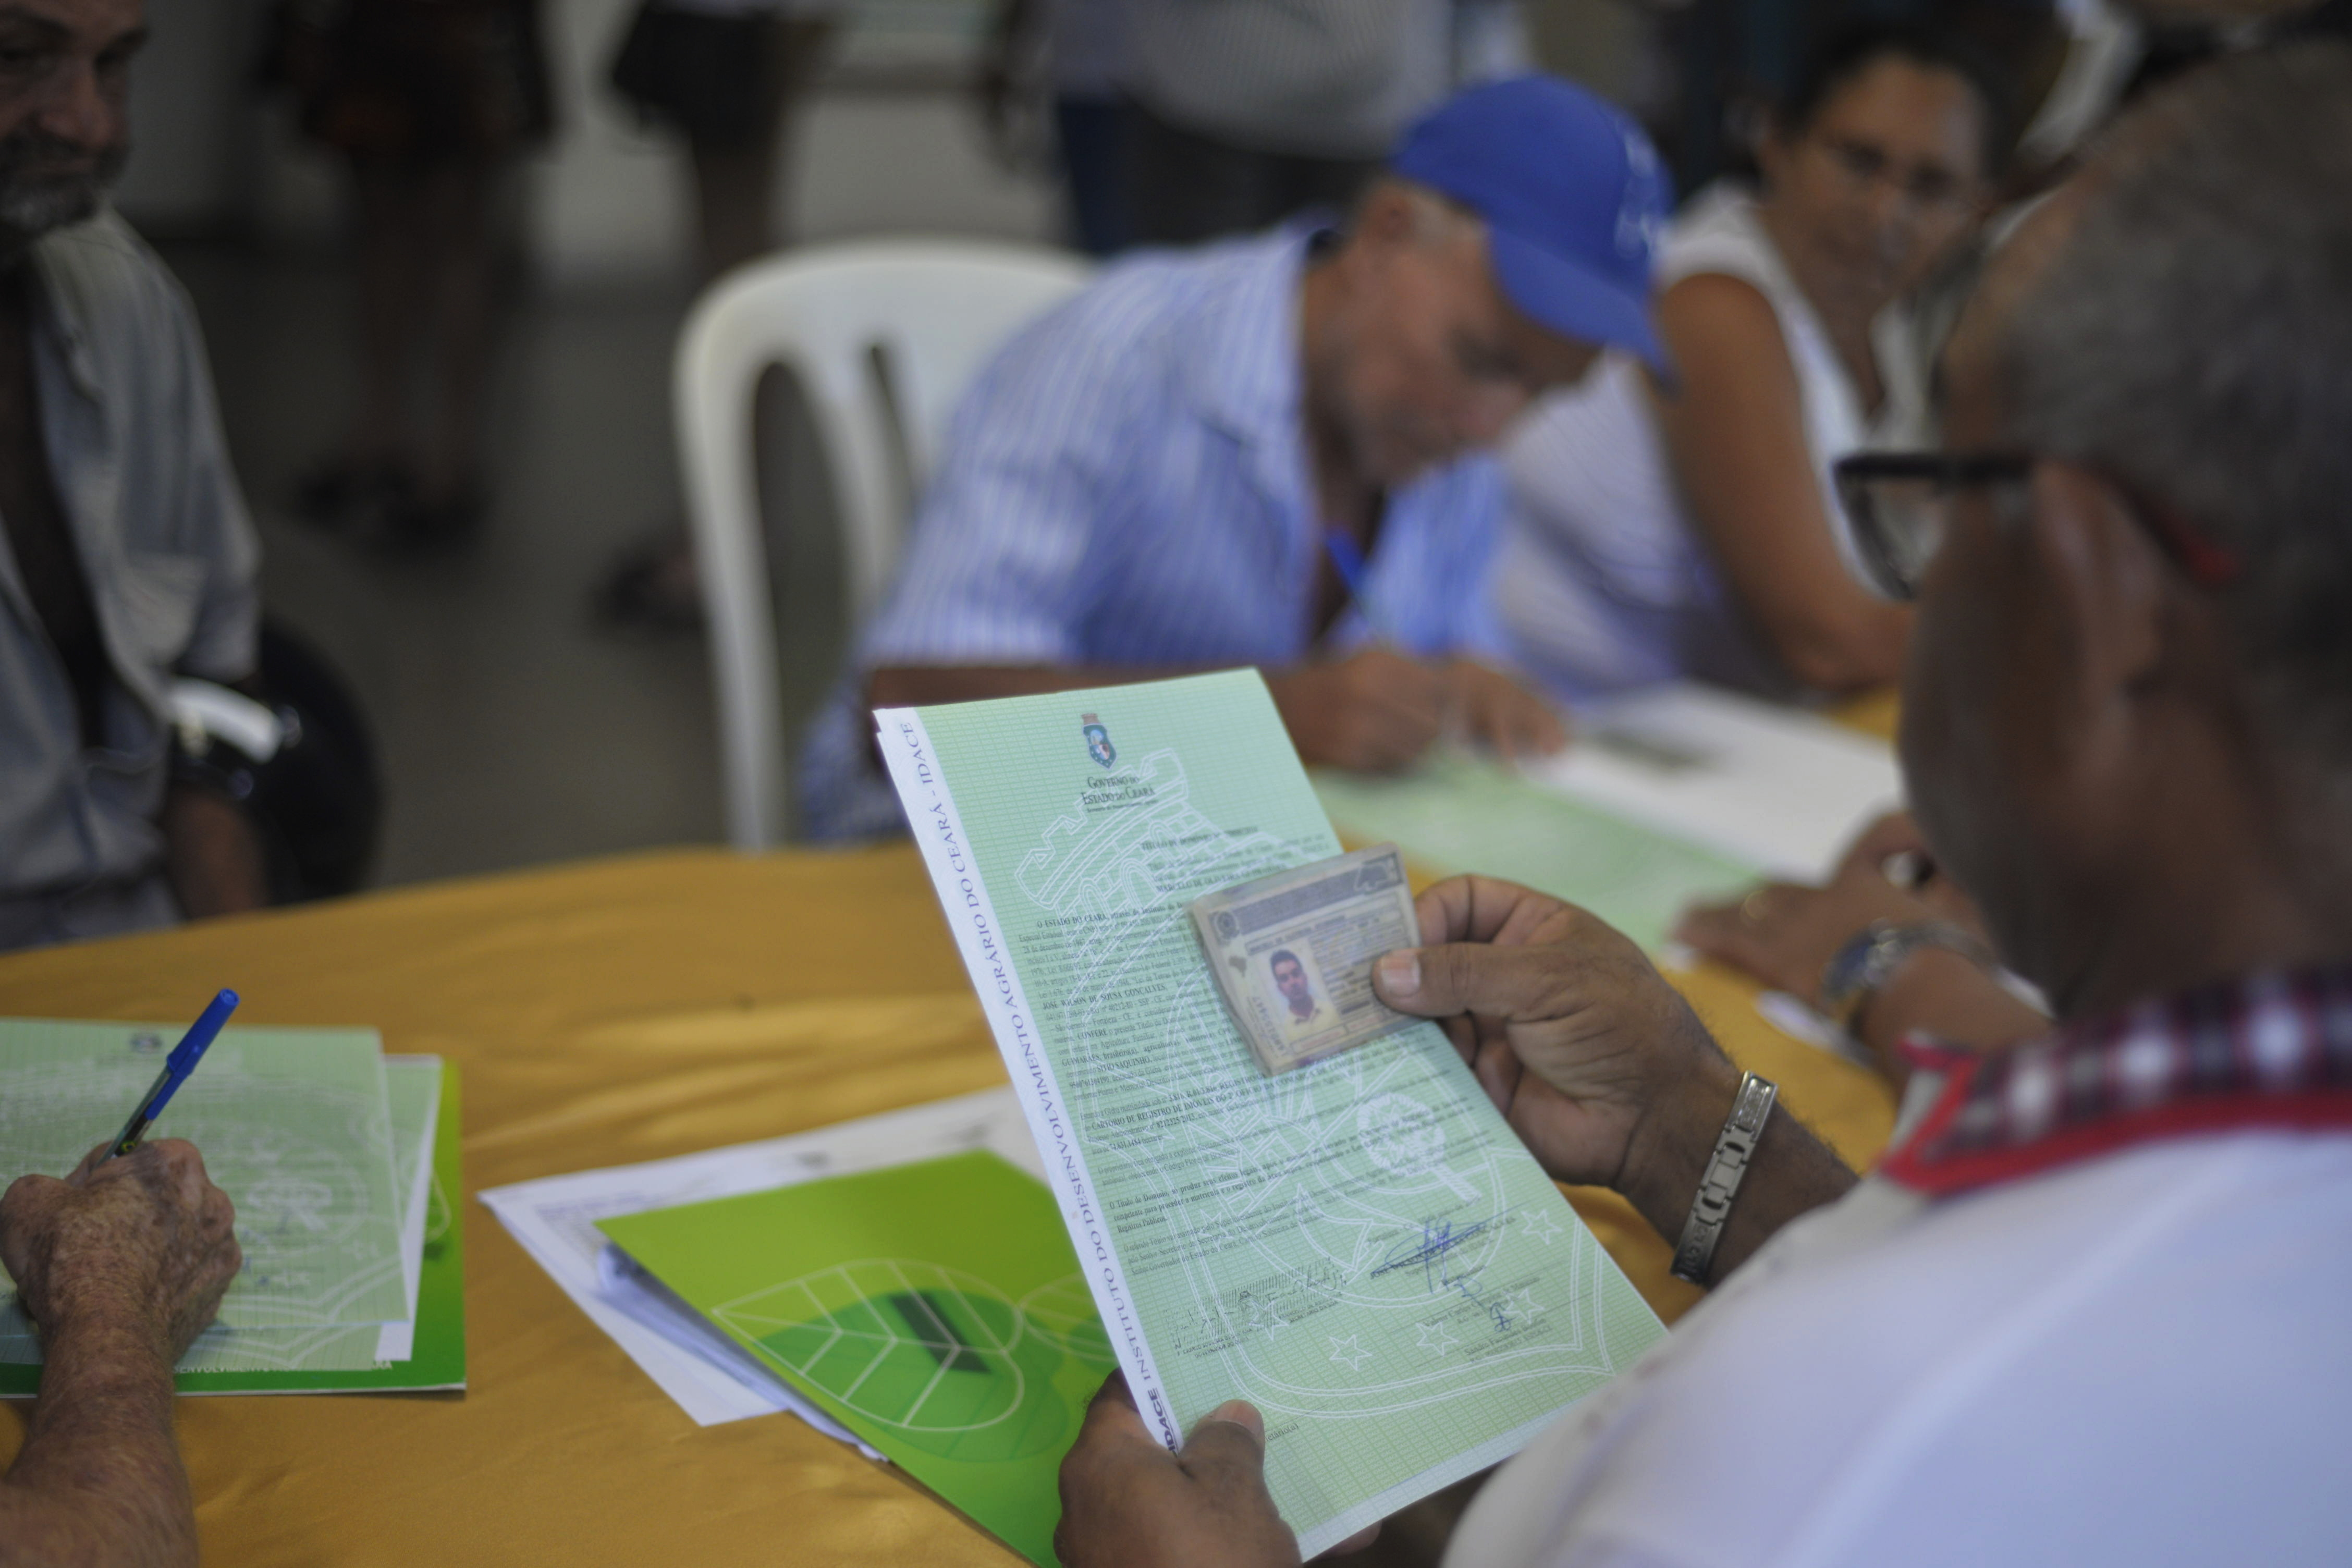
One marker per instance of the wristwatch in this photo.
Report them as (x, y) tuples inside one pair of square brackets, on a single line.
[(1735, 1146), (1860, 969)]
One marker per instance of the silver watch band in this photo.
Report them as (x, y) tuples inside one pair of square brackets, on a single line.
[(1734, 1147), (1862, 968)]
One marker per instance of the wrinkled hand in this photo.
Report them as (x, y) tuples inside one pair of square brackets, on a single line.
[(1785, 935), (1376, 710), (1485, 705), (1126, 1501), (146, 1240), (1898, 850), (1594, 1060)]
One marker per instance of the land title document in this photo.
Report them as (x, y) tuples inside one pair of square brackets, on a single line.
[(1361, 1247)]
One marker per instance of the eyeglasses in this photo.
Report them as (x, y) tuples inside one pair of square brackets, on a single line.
[(1900, 505)]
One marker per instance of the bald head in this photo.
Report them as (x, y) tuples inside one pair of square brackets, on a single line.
[(2179, 318)]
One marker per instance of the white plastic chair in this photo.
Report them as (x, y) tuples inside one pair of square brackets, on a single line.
[(882, 338)]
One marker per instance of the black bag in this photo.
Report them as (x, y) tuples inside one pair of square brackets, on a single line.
[(713, 78)]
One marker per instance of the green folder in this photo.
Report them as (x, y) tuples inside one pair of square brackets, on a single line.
[(935, 1310)]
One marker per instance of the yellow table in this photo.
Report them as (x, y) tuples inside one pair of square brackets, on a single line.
[(611, 1012)]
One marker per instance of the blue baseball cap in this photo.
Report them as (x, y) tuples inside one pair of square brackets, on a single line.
[(1572, 194)]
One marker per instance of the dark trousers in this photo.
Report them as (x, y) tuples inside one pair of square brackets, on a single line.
[(1187, 187), (1094, 134)]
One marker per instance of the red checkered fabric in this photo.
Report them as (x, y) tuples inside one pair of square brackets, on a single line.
[(2274, 1050)]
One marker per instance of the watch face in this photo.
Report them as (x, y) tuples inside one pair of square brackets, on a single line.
[(1848, 971)]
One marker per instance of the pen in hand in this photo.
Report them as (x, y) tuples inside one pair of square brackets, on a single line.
[(177, 1069)]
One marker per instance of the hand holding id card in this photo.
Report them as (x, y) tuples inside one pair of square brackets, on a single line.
[(1294, 952)]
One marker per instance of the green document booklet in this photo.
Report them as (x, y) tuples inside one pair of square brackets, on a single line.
[(933, 1309), (341, 1162), (1361, 1248)]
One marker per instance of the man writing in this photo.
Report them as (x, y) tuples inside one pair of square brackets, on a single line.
[(126, 556), (1270, 453), (119, 1266), (2089, 1308)]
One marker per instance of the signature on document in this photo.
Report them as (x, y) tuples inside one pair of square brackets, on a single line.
[(1435, 1254)]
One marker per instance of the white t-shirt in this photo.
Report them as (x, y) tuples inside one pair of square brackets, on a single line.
[(2143, 1358), (1602, 580)]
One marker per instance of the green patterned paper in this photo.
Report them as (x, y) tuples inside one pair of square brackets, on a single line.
[(436, 1362), (933, 1309), (294, 1124), (1361, 1248), (1457, 814)]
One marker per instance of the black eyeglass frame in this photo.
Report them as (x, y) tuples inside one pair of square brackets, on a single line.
[(1873, 540), (2208, 565)]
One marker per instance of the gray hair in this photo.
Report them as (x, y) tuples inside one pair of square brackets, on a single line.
[(2191, 336)]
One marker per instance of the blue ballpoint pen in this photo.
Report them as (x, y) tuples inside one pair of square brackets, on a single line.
[(177, 1069), (1348, 560)]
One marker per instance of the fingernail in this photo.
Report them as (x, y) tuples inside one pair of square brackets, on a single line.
[(1401, 974), (1244, 1414)]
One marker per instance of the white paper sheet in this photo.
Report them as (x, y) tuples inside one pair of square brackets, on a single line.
[(397, 1341), (1778, 786), (555, 1219)]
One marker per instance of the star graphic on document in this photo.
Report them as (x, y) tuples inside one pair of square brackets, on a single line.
[(1539, 1225), (1348, 1353), (1267, 1315), (1519, 1306), (1434, 1337)]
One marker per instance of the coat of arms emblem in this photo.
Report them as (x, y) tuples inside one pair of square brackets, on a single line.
[(1099, 744)]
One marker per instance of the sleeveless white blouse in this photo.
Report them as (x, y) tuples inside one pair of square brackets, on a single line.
[(1602, 581)]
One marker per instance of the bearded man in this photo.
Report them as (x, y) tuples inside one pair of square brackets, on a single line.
[(127, 558)]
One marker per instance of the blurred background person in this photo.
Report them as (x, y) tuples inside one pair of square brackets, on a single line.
[(1690, 529), (426, 103), (1247, 111), (127, 559), (1072, 54), (729, 75), (1275, 452)]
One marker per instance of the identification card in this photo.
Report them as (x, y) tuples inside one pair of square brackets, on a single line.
[(1293, 953)]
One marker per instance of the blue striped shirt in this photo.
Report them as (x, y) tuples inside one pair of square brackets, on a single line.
[(1128, 483)]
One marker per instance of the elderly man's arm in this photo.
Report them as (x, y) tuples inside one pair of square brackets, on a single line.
[(119, 1266), (211, 857), (1596, 1062), (1785, 935)]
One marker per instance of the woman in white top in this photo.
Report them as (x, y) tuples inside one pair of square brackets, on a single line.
[(1692, 529)]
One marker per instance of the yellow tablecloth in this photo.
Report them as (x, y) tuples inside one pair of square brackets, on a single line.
[(611, 1012)]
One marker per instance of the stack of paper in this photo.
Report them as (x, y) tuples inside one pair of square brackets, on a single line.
[(1774, 786), (711, 1378), (1671, 797), (342, 1163)]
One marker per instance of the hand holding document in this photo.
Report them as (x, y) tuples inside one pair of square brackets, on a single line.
[(1358, 1247), (1293, 953)]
